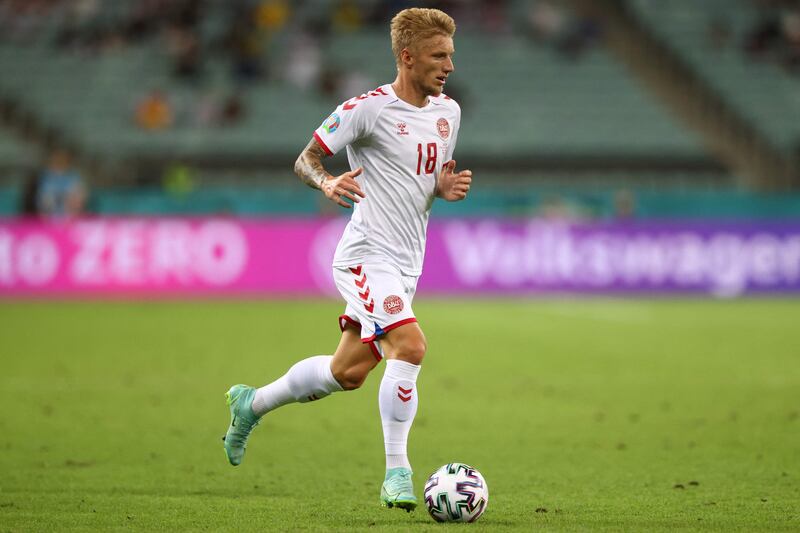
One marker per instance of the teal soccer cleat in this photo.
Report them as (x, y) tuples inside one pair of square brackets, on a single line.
[(243, 420), (397, 490)]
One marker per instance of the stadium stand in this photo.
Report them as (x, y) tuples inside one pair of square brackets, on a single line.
[(525, 99), (521, 97), (711, 36), (15, 153), (17, 158)]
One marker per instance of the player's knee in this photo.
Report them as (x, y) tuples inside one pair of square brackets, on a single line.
[(351, 378), (412, 351)]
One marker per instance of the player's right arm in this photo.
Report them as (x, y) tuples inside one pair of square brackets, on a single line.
[(336, 188)]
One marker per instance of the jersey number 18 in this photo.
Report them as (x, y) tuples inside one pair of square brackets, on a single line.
[(430, 162)]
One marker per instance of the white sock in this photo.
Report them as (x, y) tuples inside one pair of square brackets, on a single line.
[(398, 401), (308, 380)]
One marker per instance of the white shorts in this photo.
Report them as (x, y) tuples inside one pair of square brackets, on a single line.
[(378, 300)]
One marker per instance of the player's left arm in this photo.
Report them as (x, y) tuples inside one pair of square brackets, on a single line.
[(451, 185)]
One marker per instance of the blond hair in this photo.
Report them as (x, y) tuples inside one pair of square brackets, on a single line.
[(415, 24)]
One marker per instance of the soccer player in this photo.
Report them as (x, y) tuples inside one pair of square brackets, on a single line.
[(400, 139)]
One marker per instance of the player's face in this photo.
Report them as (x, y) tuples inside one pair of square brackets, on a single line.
[(433, 62)]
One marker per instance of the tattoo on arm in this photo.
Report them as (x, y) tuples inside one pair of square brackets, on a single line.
[(309, 165)]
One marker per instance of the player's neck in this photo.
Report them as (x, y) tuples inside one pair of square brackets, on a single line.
[(407, 92)]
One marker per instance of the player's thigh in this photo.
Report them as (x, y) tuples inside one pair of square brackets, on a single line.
[(353, 360), (406, 342)]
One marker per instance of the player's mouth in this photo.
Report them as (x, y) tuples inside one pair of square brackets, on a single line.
[(441, 79)]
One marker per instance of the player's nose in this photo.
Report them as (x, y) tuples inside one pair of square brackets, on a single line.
[(449, 66)]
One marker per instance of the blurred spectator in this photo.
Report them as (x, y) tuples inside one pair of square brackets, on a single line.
[(143, 20), (178, 179), (233, 110), (329, 85), (244, 44), (272, 15), (205, 110), (77, 18), (624, 205), (22, 20), (549, 24), (582, 34), (763, 36), (214, 109), (353, 83), (83, 11), (184, 49), (154, 112), (304, 62), (493, 16), (557, 207), (338, 84), (790, 23), (381, 13), (776, 37), (61, 191), (347, 16), (184, 13), (30, 192), (546, 22)]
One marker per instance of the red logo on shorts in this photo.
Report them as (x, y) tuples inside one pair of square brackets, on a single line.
[(393, 304), (443, 127)]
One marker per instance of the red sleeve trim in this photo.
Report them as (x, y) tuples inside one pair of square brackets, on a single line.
[(391, 327), (345, 321), (322, 143)]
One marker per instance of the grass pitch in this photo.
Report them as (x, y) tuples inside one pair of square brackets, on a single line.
[(599, 414)]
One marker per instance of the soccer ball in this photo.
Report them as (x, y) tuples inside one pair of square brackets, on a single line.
[(456, 493)]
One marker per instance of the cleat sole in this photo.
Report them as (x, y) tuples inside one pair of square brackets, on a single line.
[(407, 506)]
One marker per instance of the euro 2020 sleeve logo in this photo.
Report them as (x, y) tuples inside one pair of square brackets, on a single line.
[(331, 123)]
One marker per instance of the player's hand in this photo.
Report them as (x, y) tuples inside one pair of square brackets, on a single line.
[(337, 188), (451, 185)]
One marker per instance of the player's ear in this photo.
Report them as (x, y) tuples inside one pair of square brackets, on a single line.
[(406, 58)]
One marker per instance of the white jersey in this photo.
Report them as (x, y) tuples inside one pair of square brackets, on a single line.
[(401, 148)]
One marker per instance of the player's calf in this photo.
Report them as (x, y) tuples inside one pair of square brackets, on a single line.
[(306, 381), (351, 377)]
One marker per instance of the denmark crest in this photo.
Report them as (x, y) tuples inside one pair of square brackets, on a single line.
[(393, 304), (443, 127)]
